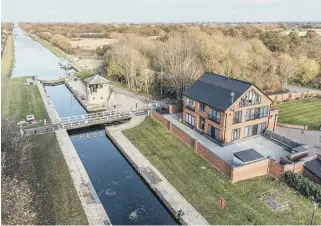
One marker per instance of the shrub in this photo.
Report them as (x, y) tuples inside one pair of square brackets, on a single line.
[(276, 99), (303, 185)]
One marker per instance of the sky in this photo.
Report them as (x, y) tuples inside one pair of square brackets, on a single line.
[(167, 11)]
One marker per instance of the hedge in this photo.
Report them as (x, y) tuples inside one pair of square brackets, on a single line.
[(303, 185)]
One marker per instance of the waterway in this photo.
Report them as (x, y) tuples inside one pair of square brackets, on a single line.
[(123, 193)]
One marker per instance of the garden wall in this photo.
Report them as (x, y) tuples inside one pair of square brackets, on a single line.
[(213, 159), (292, 126), (259, 168), (255, 169), (175, 108), (292, 96)]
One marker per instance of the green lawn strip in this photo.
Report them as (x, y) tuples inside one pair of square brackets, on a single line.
[(301, 112), (57, 201), (203, 187), (56, 193), (7, 58)]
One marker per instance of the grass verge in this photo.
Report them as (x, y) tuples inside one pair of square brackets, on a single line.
[(7, 59), (56, 199), (202, 185), (301, 112)]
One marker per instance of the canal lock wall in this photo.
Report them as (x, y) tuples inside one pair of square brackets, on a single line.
[(94, 210)]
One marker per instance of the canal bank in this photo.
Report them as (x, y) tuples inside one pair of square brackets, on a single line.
[(91, 204), (175, 202)]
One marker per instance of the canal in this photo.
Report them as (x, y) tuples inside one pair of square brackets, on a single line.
[(123, 193)]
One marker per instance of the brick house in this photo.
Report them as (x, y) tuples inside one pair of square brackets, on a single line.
[(227, 109)]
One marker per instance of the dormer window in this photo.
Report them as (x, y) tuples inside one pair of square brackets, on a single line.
[(250, 98)]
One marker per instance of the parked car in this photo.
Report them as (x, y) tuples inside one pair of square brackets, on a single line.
[(30, 118)]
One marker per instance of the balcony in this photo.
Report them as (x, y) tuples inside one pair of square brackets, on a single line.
[(255, 116), (237, 120)]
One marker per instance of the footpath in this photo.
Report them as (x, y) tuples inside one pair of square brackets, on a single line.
[(175, 202), (94, 210)]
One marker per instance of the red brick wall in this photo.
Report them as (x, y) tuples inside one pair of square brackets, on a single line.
[(161, 119), (292, 126), (182, 135), (250, 170), (275, 169), (213, 159), (175, 108)]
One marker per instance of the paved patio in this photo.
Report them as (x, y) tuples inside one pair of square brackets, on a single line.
[(261, 144)]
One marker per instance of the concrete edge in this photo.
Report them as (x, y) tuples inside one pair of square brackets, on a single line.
[(173, 200), (94, 210)]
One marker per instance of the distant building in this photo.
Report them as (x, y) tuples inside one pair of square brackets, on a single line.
[(98, 90), (227, 109)]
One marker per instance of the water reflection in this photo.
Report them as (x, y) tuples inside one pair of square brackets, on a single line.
[(125, 197), (32, 59)]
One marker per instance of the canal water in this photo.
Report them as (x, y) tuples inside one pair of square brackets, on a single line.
[(124, 195)]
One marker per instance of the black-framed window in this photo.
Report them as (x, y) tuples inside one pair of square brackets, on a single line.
[(201, 124), (213, 132), (190, 104), (237, 117), (254, 129), (256, 113), (214, 115), (202, 106), (190, 119), (235, 134), (250, 98)]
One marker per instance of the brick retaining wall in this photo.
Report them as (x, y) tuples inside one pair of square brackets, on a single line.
[(258, 168), (161, 119), (292, 126), (292, 96), (181, 135), (213, 159)]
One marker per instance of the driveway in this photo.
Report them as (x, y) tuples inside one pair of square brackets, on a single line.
[(310, 137)]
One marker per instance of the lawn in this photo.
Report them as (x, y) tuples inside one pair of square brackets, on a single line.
[(7, 59), (56, 198), (202, 185), (301, 112)]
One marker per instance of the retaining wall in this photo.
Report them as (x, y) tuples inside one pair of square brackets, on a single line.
[(258, 168), (292, 96), (293, 126), (255, 169)]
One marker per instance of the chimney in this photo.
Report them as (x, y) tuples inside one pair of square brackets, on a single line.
[(232, 96)]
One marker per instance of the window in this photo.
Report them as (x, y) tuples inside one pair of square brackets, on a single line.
[(202, 124), (250, 98), (190, 104), (214, 115), (202, 106), (213, 132), (256, 113), (237, 117), (255, 129), (190, 119), (235, 134)]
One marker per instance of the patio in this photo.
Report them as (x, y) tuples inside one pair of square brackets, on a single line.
[(259, 143)]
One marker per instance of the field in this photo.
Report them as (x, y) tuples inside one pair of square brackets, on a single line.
[(7, 58), (202, 185), (301, 112), (91, 43), (57, 201)]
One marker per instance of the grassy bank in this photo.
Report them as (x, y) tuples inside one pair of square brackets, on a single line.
[(301, 112), (56, 199), (202, 185), (7, 59)]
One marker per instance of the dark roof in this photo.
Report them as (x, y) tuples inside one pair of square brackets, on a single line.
[(314, 166), (215, 90), (248, 155)]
